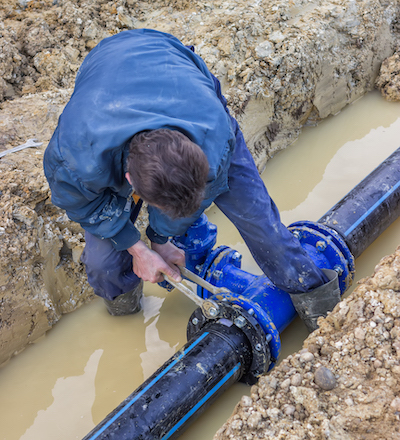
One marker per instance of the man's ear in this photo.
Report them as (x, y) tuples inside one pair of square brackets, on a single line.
[(128, 178)]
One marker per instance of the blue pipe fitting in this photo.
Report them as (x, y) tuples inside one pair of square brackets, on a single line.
[(255, 295), (327, 249), (197, 242), (211, 271)]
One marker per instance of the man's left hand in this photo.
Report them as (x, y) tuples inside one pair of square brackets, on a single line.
[(172, 255)]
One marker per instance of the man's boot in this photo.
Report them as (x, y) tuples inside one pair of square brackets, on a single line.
[(127, 303), (311, 305)]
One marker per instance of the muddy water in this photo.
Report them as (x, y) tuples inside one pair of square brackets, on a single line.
[(62, 386)]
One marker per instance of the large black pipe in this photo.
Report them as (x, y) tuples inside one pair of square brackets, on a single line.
[(369, 208), (181, 389)]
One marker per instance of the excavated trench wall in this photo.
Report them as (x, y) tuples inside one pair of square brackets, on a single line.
[(282, 64)]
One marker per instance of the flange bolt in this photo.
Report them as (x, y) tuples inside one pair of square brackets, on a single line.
[(240, 321), (296, 234), (213, 312), (236, 256), (338, 269), (217, 274)]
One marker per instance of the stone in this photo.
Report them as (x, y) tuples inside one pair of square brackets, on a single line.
[(306, 357), (324, 378), (395, 404), (296, 380), (246, 401), (253, 420), (359, 333)]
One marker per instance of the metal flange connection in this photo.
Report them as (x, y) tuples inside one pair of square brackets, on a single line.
[(231, 314)]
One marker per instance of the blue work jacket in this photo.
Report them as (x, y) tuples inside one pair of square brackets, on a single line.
[(133, 81)]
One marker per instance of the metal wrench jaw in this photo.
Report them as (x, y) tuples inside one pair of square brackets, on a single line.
[(202, 282), (32, 143), (210, 309)]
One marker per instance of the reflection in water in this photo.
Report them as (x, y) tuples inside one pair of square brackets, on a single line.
[(66, 410), (151, 306), (157, 349)]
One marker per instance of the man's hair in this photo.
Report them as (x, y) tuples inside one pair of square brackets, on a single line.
[(168, 170)]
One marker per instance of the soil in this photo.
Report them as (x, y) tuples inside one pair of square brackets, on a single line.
[(345, 383), (282, 64)]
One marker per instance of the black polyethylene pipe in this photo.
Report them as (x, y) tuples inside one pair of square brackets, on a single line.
[(177, 393), (369, 208)]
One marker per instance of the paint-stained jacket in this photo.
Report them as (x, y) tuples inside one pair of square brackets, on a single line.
[(134, 81)]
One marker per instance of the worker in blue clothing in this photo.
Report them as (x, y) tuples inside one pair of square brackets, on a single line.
[(148, 119)]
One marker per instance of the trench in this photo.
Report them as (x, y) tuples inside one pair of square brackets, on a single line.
[(67, 382)]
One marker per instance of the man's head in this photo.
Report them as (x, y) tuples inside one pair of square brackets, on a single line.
[(168, 170)]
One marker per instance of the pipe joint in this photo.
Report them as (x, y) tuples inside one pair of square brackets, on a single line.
[(259, 360), (327, 249)]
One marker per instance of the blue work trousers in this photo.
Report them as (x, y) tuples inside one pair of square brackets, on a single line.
[(250, 208), (109, 271)]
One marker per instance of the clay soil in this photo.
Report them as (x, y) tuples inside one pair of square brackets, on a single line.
[(344, 384)]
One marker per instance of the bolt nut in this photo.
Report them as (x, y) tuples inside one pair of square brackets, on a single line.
[(297, 234), (199, 268), (321, 245), (240, 321), (236, 256), (258, 347), (338, 269), (195, 321), (213, 312), (217, 274), (210, 309), (250, 311)]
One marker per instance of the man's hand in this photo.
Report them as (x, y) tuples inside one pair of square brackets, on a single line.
[(172, 255), (150, 265)]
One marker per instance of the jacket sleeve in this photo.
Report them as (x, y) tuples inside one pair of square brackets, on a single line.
[(100, 212)]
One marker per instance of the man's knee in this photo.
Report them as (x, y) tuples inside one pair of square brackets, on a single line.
[(99, 256)]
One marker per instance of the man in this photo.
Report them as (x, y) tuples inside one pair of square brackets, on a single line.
[(148, 118)]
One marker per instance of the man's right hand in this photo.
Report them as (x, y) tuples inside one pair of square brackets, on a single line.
[(149, 265)]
